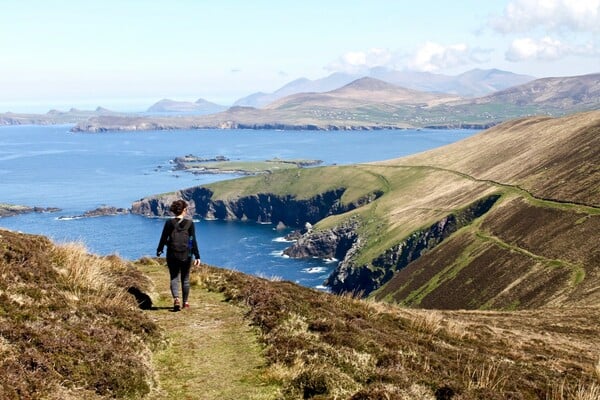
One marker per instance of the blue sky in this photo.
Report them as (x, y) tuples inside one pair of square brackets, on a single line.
[(129, 54)]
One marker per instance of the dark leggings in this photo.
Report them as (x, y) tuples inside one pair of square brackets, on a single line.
[(180, 270)]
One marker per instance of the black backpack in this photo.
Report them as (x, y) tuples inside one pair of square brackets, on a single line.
[(179, 242)]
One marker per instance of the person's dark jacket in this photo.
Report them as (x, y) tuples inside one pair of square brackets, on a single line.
[(166, 236)]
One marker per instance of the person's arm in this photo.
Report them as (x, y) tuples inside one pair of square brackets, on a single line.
[(195, 250), (163, 238)]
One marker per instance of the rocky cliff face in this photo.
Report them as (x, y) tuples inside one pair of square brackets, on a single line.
[(330, 243), (349, 277), (262, 207)]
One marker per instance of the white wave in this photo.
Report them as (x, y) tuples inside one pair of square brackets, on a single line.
[(282, 239), (279, 253), (321, 287), (314, 270), (67, 218), (331, 260)]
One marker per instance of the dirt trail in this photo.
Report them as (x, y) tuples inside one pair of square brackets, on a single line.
[(212, 353)]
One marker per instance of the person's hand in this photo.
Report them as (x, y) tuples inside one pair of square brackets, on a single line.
[(196, 262), (158, 253)]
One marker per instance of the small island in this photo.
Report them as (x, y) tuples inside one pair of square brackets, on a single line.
[(8, 210), (223, 165), (101, 211)]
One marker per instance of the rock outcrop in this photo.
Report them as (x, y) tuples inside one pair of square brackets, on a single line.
[(99, 212), (8, 210), (329, 243)]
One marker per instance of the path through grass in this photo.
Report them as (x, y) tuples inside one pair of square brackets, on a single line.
[(212, 353)]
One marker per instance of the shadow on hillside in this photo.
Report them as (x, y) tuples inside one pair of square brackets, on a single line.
[(144, 301)]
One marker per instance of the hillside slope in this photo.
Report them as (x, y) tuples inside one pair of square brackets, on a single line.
[(518, 201), (363, 91), (68, 330), (560, 92)]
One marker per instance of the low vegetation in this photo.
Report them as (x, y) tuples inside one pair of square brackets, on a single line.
[(68, 327), (70, 330), (322, 346)]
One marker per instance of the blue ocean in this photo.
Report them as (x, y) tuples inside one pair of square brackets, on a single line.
[(48, 166)]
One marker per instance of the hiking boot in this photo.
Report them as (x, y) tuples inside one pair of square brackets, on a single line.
[(186, 306), (176, 304)]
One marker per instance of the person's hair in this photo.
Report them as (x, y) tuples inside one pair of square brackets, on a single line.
[(178, 206)]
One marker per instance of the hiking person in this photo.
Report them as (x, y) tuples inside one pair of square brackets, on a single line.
[(180, 237)]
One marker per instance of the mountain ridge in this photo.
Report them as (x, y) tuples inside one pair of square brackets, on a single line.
[(471, 83), (392, 108)]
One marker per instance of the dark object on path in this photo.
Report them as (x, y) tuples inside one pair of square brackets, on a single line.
[(144, 301)]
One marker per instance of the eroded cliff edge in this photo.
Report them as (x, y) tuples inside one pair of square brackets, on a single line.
[(261, 207)]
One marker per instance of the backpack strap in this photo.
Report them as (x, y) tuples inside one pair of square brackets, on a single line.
[(183, 225)]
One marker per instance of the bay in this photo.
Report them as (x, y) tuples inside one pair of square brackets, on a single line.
[(49, 166)]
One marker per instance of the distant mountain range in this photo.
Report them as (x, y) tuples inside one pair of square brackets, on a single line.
[(200, 107), (472, 83), (369, 103)]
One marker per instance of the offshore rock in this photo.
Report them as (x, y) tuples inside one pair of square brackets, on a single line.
[(329, 243), (8, 210)]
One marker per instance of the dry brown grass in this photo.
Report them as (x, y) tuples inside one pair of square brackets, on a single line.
[(67, 327), (87, 277), (326, 347), (580, 392)]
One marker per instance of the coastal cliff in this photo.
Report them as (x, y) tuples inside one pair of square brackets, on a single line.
[(260, 207)]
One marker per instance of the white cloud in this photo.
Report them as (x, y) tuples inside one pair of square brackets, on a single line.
[(428, 57), (434, 56), (359, 61), (551, 15), (531, 49), (545, 49)]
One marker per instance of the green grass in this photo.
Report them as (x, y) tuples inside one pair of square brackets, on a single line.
[(302, 183), (212, 352), (248, 167)]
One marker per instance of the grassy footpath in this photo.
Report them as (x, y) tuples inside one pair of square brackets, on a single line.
[(212, 352)]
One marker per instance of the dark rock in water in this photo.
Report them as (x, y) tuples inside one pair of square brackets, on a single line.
[(8, 210), (330, 243), (45, 209), (99, 212), (105, 210)]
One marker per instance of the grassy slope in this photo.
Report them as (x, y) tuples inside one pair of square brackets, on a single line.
[(69, 331), (67, 328), (323, 346), (549, 158)]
